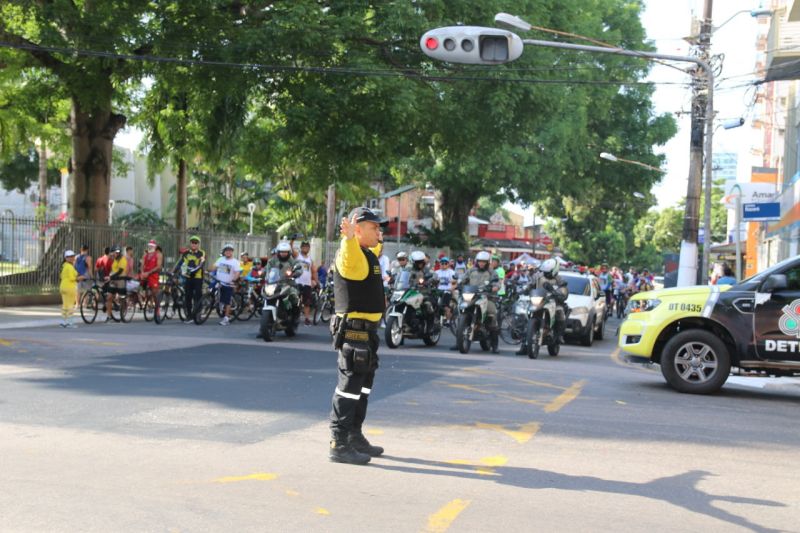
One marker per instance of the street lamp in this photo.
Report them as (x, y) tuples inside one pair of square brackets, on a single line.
[(612, 157), (111, 204), (251, 207)]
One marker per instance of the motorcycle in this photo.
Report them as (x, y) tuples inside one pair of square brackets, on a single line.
[(410, 316), (473, 320), (541, 311), (279, 313)]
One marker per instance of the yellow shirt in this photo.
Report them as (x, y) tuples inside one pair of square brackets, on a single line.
[(351, 263), (119, 264), (69, 276), (246, 268)]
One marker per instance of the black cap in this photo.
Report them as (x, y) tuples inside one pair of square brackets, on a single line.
[(365, 214)]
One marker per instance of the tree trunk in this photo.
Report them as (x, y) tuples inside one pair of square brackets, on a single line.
[(181, 196), (456, 206), (93, 133)]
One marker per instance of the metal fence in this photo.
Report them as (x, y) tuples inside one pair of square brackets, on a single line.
[(31, 250)]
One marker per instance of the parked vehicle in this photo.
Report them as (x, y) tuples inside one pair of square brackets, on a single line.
[(280, 312), (410, 315)]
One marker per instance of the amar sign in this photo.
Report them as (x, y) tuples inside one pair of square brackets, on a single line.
[(752, 193)]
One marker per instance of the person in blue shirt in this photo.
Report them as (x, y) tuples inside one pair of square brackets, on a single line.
[(727, 276)]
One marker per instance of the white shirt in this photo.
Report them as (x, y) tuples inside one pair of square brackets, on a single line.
[(386, 266), (226, 268), (445, 276), (305, 277)]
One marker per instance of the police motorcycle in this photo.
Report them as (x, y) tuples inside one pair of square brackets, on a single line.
[(473, 320), (407, 316), (540, 307), (279, 313)]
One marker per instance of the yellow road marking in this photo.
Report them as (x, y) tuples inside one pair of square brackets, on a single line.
[(616, 358), (5, 342), (621, 402), (467, 388), (565, 397), (484, 467), (374, 432), (521, 435), (412, 403), (515, 378), (440, 521), (290, 492), (522, 400), (322, 511), (465, 402), (259, 476)]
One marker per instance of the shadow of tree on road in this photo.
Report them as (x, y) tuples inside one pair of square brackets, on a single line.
[(680, 490)]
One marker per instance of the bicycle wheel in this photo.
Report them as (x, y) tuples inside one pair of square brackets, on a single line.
[(509, 330), (204, 307), (89, 305), (148, 308), (237, 304), (316, 315), (177, 304), (249, 308), (161, 306), (126, 309), (326, 312)]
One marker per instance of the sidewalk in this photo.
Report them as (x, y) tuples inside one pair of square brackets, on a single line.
[(30, 317)]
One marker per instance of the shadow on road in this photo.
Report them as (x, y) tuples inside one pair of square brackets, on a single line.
[(680, 490)]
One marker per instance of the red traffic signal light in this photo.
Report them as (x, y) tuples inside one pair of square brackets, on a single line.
[(472, 44)]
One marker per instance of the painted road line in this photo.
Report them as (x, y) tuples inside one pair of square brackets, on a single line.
[(441, 520), (565, 397), (322, 511), (485, 466), (469, 388), (515, 378), (521, 435), (258, 476), (6, 342)]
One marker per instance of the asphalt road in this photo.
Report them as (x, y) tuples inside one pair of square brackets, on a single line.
[(138, 427)]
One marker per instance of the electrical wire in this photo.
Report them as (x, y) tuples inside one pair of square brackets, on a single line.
[(406, 73)]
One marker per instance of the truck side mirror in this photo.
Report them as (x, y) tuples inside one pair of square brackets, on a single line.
[(775, 282)]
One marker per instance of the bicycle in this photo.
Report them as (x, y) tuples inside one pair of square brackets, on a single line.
[(92, 301), (325, 305), (251, 299), (171, 298), (210, 301)]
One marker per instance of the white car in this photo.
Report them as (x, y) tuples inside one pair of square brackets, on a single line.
[(587, 303)]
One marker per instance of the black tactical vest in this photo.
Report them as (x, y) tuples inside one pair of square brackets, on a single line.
[(360, 296)]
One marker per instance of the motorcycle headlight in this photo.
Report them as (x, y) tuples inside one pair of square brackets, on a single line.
[(642, 306), (580, 311), (269, 290), (521, 308), (468, 296), (536, 301)]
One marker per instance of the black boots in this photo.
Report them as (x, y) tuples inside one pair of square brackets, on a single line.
[(343, 452), (523, 350), (361, 444)]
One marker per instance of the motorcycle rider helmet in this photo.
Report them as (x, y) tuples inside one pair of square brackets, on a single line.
[(401, 255), (283, 250), (482, 256), (418, 258), (549, 268)]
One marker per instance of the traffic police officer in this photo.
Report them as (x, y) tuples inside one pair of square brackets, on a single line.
[(358, 292)]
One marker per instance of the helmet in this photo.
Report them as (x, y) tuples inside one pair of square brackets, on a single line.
[(496, 257), (194, 238), (401, 255), (549, 268), (283, 247), (482, 256), (243, 254), (444, 259), (115, 248), (416, 255), (228, 246)]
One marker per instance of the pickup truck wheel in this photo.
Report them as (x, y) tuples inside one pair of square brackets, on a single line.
[(695, 362)]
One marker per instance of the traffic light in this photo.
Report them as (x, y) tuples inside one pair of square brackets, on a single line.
[(471, 44)]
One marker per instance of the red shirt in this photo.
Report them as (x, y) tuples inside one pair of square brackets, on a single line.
[(102, 266)]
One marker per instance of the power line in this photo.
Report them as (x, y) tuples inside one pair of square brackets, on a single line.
[(404, 73)]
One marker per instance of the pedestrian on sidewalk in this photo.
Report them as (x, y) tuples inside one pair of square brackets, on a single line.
[(68, 288)]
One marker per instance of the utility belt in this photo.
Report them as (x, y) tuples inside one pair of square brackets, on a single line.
[(351, 337)]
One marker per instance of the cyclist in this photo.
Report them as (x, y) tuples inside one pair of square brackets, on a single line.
[(307, 281), (116, 271), (246, 263), (191, 266), (83, 264), (284, 262), (227, 270), (152, 262)]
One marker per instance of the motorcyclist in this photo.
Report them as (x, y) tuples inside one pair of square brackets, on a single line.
[(284, 262), (479, 275), (421, 277), (399, 264), (550, 281)]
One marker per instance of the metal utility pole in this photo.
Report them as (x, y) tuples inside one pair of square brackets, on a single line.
[(698, 115), (330, 223)]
